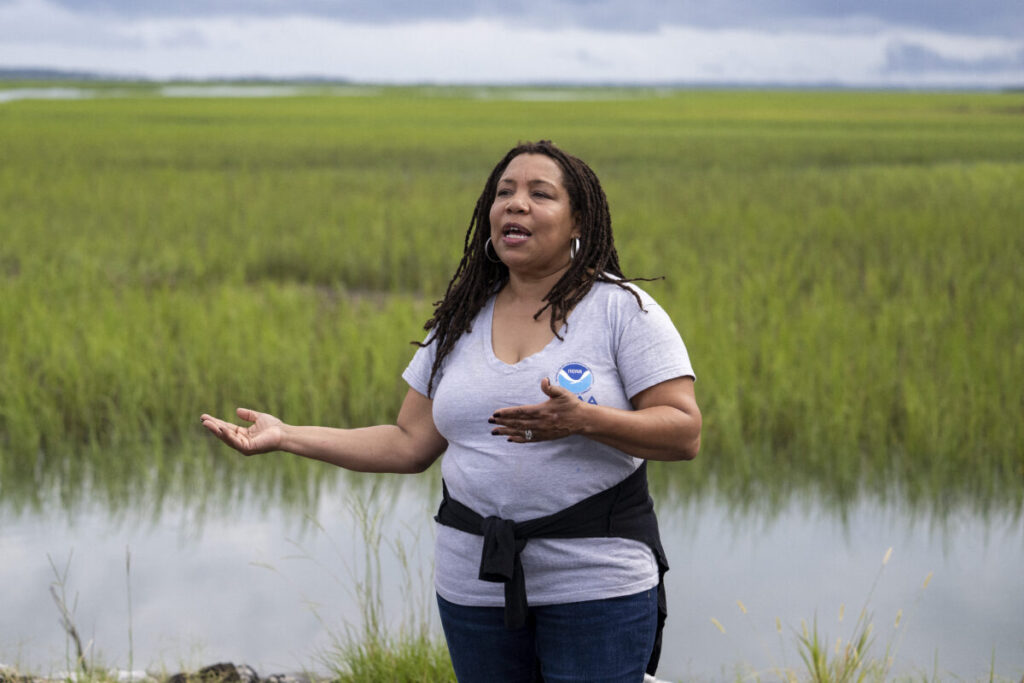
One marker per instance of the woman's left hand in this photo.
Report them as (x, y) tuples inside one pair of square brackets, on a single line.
[(560, 416)]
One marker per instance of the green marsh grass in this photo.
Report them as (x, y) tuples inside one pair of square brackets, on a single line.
[(866, 651), (844, 267), (409, 651), (375, 649)]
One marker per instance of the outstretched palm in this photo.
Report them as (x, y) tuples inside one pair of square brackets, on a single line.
[(262, 436)]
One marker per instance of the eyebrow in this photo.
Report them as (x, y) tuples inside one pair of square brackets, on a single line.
[(535, 181)]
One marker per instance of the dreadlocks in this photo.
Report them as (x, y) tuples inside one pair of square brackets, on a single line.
[(477, 277)]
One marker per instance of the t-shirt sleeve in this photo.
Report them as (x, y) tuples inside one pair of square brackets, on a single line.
[(417, 373), (650, 350)]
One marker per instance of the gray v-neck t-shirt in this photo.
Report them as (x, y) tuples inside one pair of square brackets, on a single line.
[(610, 350)]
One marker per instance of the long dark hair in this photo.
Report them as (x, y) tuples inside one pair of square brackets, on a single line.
[(477, 277)]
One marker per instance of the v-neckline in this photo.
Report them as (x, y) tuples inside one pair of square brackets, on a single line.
[(492, 357)]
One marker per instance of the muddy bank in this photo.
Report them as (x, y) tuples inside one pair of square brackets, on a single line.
[(224, 672)]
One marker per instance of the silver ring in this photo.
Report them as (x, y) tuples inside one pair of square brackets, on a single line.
[(528, 435)]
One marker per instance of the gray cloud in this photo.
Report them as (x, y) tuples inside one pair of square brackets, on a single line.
[(911, 58), (185, 38), (36, 28), (974, 17)]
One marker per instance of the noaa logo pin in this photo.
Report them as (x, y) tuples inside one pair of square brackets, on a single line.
[(575, 377)]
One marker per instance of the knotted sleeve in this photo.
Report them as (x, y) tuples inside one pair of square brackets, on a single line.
[(500, 562)]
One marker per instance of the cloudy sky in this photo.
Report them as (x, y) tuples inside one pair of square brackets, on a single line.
[(918, 43)]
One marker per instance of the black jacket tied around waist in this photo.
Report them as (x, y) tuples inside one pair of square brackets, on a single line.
[(622, 511)]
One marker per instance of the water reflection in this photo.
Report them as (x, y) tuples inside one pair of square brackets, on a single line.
[(219, 90), (268, 90), (230, 568), (13, 94), (207, 479), (227, 89)]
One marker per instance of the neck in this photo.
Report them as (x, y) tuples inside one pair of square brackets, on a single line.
[(531, 288)]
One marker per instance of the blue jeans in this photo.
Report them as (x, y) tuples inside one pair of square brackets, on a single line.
[(598, 640)]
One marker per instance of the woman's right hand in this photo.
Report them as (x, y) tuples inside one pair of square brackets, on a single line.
[(263, 435)]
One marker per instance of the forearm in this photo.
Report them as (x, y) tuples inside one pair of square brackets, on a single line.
[(655, 433), (382, 448)]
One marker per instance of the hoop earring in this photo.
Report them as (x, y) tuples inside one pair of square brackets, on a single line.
[(487, 253), (574, 247)]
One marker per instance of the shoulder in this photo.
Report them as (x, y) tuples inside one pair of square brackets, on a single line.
[(610, 309), (625, 297), (629, 311)]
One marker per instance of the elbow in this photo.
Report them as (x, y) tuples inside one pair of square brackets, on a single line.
[(411, 463), (689, 444), (690, 449), (417, 451), (420, 460), (418, 466), (684, 448)]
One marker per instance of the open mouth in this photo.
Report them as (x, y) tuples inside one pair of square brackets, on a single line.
[(514, 233)]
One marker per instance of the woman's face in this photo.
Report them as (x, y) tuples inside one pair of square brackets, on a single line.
[(531, 217)]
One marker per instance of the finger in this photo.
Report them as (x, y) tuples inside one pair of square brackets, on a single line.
[(515, 437), (504, 419), (517, 434), (235, 436), (519, 425), (223, 430), (507, 431), (214, 424), (509, 413), (553, 390), (533, 411), (530, 412), (227, 432), (247, 414)]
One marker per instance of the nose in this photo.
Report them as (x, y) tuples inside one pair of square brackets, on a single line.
[(516, 204)]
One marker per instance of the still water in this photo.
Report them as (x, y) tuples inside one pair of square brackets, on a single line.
[(255, 584)]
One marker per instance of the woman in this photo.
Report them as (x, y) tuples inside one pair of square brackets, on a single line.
[(547, 380)]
